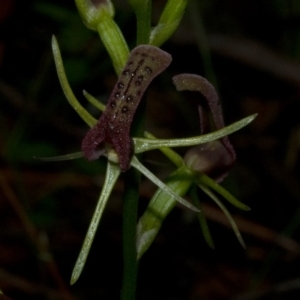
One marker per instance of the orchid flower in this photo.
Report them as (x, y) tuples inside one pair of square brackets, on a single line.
[(214, 158), (110, 135)]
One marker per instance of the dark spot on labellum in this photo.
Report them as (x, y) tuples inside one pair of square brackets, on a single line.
[(112, 104), (132, 74), (138, 93), (144, 55), (117, 95), (137, 83), (126, 72), (130, 63), (148, 70), (129, 98), (120, 85), (140, 78), (141, 62), (124, 109)]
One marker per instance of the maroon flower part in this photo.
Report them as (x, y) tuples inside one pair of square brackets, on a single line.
[(113, 128), (215, 158)]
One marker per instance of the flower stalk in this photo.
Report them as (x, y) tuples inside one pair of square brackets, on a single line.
[(142, 9)]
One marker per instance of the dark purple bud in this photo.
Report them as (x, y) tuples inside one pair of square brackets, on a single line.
[(215, 158), (144, 64)]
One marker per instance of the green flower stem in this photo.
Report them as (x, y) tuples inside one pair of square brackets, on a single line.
[(130, 206), (143, 17), (201, 39), (159, 207), (113, 41), (168, 22)]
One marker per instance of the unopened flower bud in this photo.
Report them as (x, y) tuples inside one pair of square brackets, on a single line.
[(91, 11)]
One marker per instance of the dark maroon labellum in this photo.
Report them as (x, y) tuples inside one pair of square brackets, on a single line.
[(144, 64), (214, 158)]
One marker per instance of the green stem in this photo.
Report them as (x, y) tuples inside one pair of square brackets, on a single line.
[(132, 176), (143, 17), (202, 42), (130, 205)]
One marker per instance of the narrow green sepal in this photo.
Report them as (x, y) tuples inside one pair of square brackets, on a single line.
[(112, 173), (142, 145), (226, 213), (70, 156), (83, 113), (201, 218)]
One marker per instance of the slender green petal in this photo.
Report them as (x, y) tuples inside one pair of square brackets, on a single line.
[(159, 207), (225, 211), (201, 218), (142, 145), (168, 22), (62, 157), (136, 164), (84, 114), (207, 181), (112, 173), (205, 229), (93, 101)]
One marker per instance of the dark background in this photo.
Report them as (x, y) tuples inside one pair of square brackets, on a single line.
[(45, 208)]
